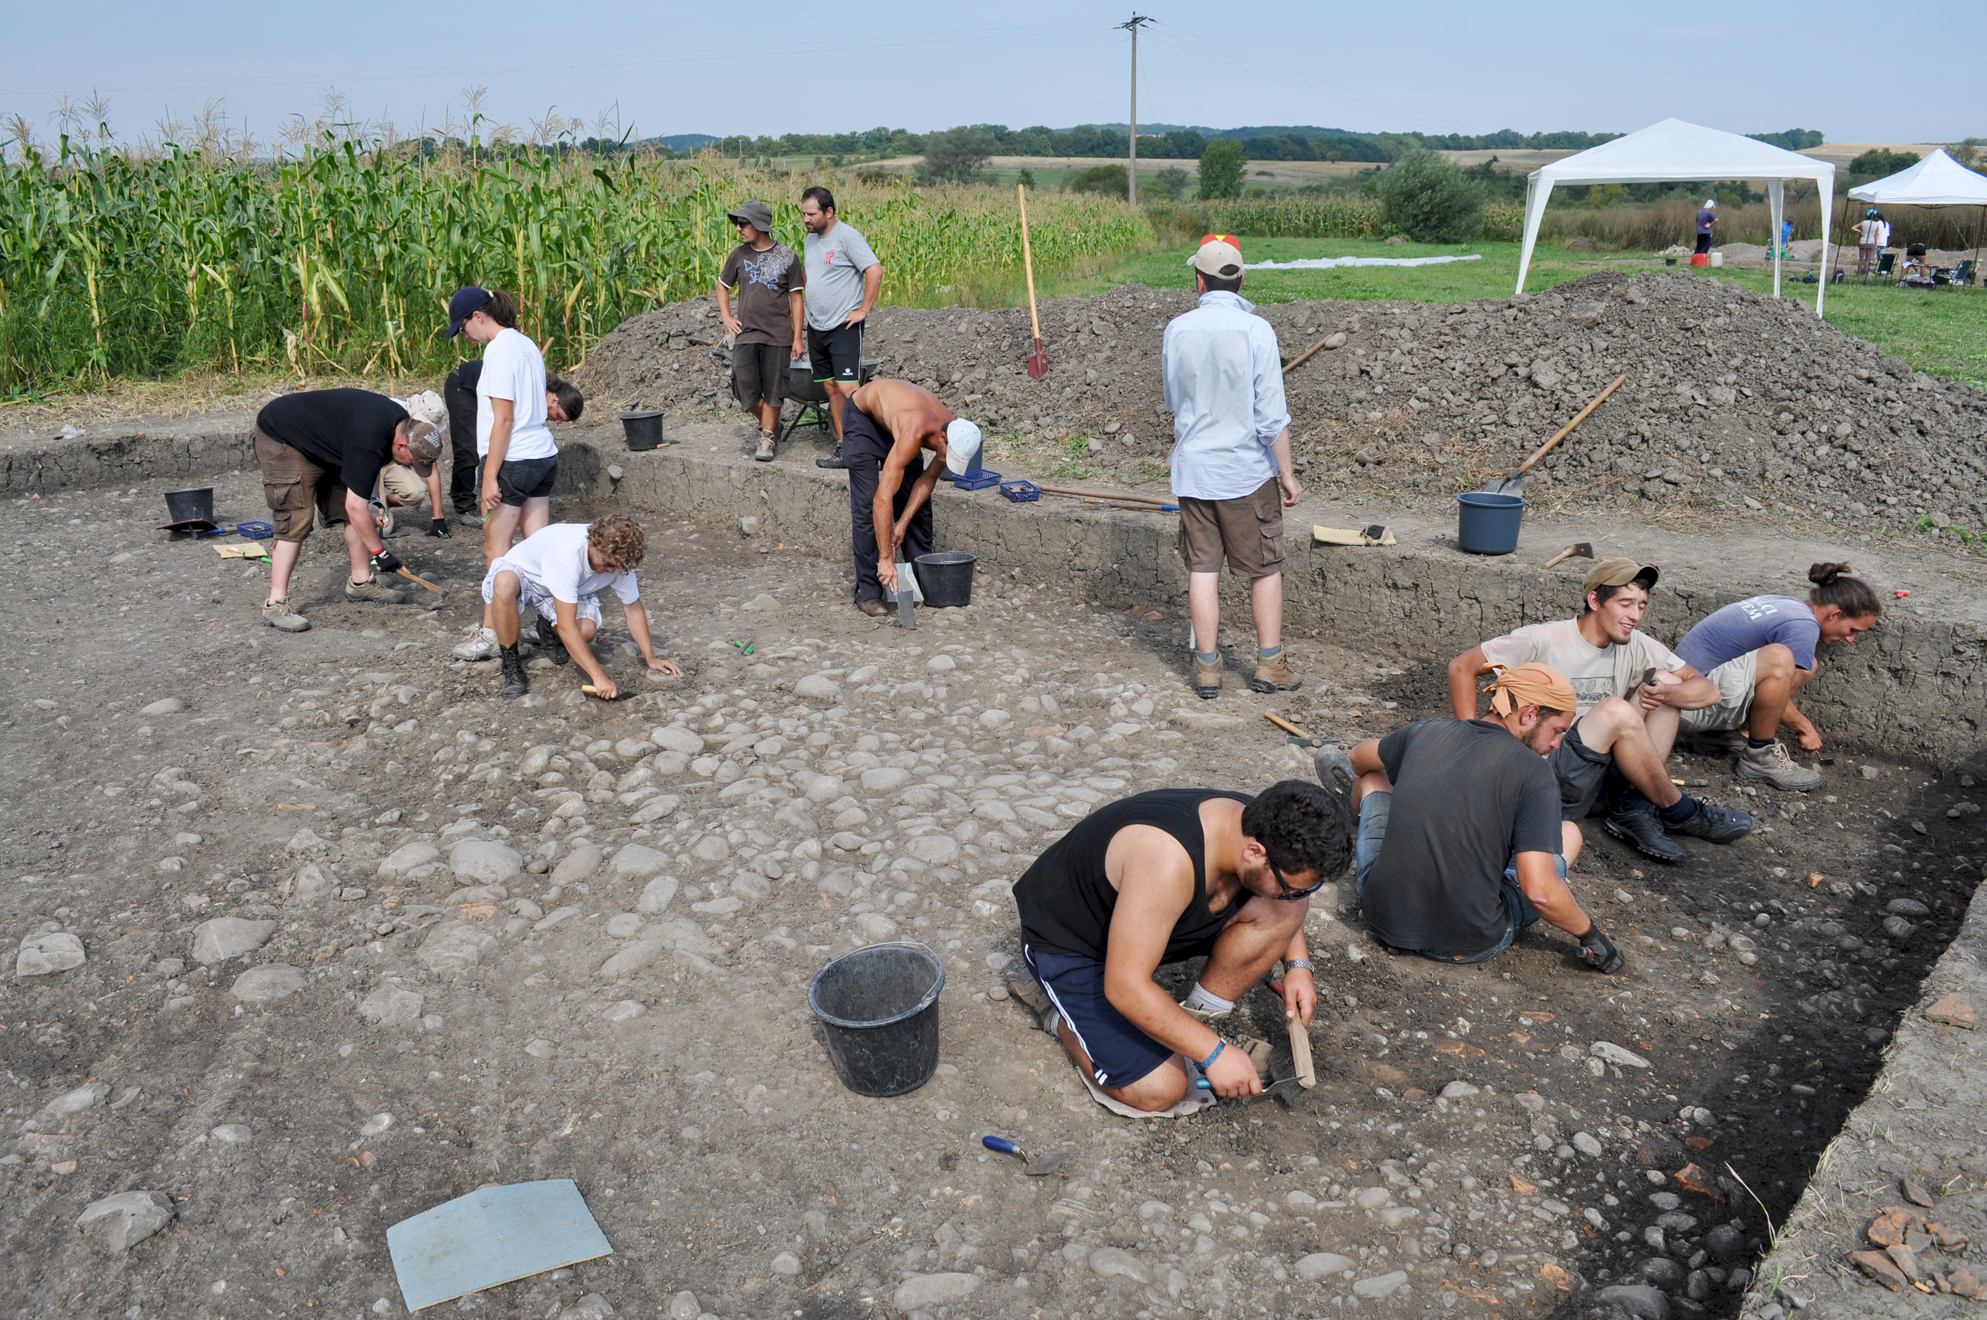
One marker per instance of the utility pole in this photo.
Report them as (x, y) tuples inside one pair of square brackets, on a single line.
[(1137, 21)]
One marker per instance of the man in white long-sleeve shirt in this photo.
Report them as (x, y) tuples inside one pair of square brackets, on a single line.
[(1231, 462)]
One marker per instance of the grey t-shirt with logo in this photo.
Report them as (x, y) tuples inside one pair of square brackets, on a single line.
[(835, 263)]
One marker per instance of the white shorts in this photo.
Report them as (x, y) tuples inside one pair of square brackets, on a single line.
[(531, 594), (1735, 680)]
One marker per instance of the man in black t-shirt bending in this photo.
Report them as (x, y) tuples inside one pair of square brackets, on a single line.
[(321, 452), (1459, 834), (1163, 877)]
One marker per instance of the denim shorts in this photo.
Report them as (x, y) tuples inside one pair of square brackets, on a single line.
[(1519, 913)]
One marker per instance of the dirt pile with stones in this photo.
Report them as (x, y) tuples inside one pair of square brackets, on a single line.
[(1730, 396)]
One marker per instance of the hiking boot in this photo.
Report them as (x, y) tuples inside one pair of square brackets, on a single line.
[(515, 683), (765, 453), (1276, 675), (873, 607), (1774, 764), (278, 615), (1336, 774), (834, 460), (482, 645), (1643, 831), (548, 642), (1714, 824), (1207, 678), (1028, 993), (374, 590)]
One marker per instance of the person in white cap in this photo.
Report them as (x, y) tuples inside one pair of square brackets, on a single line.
[(885, 430), (1231, 462), (1706, 218)]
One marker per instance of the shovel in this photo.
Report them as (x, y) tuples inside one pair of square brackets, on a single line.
[(1038, 361), (1515, 483), (1035, 1168)]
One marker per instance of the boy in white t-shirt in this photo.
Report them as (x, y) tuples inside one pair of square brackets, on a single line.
[(559, 571), (1626, 727)]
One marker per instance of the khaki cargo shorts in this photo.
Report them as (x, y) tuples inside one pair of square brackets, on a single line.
[(296, 489), (1248, 531), (1736, 680)]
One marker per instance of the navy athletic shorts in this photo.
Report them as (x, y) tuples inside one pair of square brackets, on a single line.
[(1119, 1052)]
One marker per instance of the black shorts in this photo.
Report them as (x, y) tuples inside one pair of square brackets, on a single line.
[(759, 373), (1704, 242), (836, 354), (1580, 771), (523, 479)]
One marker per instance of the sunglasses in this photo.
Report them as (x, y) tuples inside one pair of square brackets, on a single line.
[(1289, 893)]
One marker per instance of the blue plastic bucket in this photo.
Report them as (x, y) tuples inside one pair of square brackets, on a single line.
[(1488, 523)]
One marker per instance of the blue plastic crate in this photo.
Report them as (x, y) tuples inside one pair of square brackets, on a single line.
[(977, 479), (255, 531), (1021, 492)]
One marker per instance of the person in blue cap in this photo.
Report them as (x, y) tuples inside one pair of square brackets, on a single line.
[(1872, 237)]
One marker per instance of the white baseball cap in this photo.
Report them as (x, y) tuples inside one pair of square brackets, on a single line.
[(1711, 202), (962, 445)]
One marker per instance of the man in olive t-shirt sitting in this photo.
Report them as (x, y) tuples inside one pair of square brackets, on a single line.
[(1459, 836)]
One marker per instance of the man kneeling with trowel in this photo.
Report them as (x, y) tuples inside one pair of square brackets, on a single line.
[(559, 571), (890, 486), (1162, 877)]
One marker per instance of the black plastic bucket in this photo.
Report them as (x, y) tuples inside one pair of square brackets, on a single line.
[(879, 1013), (189, 504), (644, 429), (947, 577), (1488, 523)]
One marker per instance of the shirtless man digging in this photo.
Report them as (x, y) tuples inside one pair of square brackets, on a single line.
[(1162, 877), (885, 429)]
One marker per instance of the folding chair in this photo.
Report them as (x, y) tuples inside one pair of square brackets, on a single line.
[(1886, 265)]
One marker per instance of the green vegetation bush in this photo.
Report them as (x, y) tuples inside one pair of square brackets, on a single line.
[(1221, 167), (1172, 182), (1428, 198), (1110, 180), (1878, 161), (1794, 139), (954, 156)]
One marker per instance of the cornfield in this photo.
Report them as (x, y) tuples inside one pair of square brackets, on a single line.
[(342, 259)]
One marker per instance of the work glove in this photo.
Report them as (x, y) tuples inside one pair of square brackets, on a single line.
[(386, 562), (1598, 951), (438, 527)]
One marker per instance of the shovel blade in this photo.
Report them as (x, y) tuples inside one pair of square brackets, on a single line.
[(1038, 362)]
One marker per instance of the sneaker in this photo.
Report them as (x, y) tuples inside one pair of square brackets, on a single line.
[(1774, 764), (1643, 831), (515, 683), (1028, 992), (278, 615), (765, 454), (833, 461), (1714, 824), (482, 645), (1207, 678), (873, 607), (1336, 774), (374, 590), (1276, 675), (470, 518)]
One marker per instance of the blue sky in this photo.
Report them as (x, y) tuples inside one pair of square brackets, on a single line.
[(778, 67)]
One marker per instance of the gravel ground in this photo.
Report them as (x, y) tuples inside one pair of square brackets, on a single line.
[(356, 937)]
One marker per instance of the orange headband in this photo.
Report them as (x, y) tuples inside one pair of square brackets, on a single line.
[(1530, 684)]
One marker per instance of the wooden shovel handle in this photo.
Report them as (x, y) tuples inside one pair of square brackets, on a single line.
[(1306, 355), (1284, 724), (1567, 429), (414, 577), (1028, 263)]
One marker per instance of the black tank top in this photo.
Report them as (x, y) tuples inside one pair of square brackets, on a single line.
[(1066, 900)]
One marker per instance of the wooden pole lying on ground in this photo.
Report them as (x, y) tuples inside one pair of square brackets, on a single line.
[(1101, 495), (1305, 356)]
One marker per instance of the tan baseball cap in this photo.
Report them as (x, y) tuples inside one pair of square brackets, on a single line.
[(1219, 256), (1619, 573), (423, 445)]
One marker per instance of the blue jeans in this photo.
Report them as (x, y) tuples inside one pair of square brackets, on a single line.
[(1518, 910)]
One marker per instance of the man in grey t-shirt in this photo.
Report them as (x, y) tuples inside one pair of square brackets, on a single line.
[(843, 277)]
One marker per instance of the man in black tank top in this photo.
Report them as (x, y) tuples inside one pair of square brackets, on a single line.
[(1166, 876)]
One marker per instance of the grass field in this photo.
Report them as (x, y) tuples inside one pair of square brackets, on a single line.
[(1942, 331)]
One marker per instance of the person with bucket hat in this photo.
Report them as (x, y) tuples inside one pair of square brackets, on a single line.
[(1460, 842), (885, 429), (322, 453), (1231, 462), (768, 324), (1632, 693)]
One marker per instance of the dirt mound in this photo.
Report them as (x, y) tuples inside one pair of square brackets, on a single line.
[(1730, 396)]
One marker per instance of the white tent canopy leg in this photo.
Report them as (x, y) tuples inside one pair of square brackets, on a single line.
[(1535, 199), (1776, 193), (1825, 190)]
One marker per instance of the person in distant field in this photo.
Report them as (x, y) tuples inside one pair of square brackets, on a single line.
[(1872, 237), (321, 453), (1760, 652), (1231, 463), (842, 280), (1460, 841), (887, 426), (1163, 877), (559, 571), (1707, 217), (766, 329), (1632, 691)]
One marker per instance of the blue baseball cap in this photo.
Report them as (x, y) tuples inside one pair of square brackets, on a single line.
[(468, 301)]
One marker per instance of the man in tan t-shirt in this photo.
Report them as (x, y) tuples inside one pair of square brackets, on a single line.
[(1626, 727)]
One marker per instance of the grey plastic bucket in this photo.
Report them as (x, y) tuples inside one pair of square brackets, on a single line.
[(879, 1016), (1488, 523), (643, 429), (195, 502), (947, 577)]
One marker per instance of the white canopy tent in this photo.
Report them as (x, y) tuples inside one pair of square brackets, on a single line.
[(1937, 180), (1676, 152)]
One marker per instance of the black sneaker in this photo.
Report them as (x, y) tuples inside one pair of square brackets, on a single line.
[(1644, 832), (515, 683), (1336, 774), (834, 460), (1715, 824)]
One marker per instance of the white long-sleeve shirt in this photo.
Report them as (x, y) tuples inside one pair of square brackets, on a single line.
[(1224, 385)]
